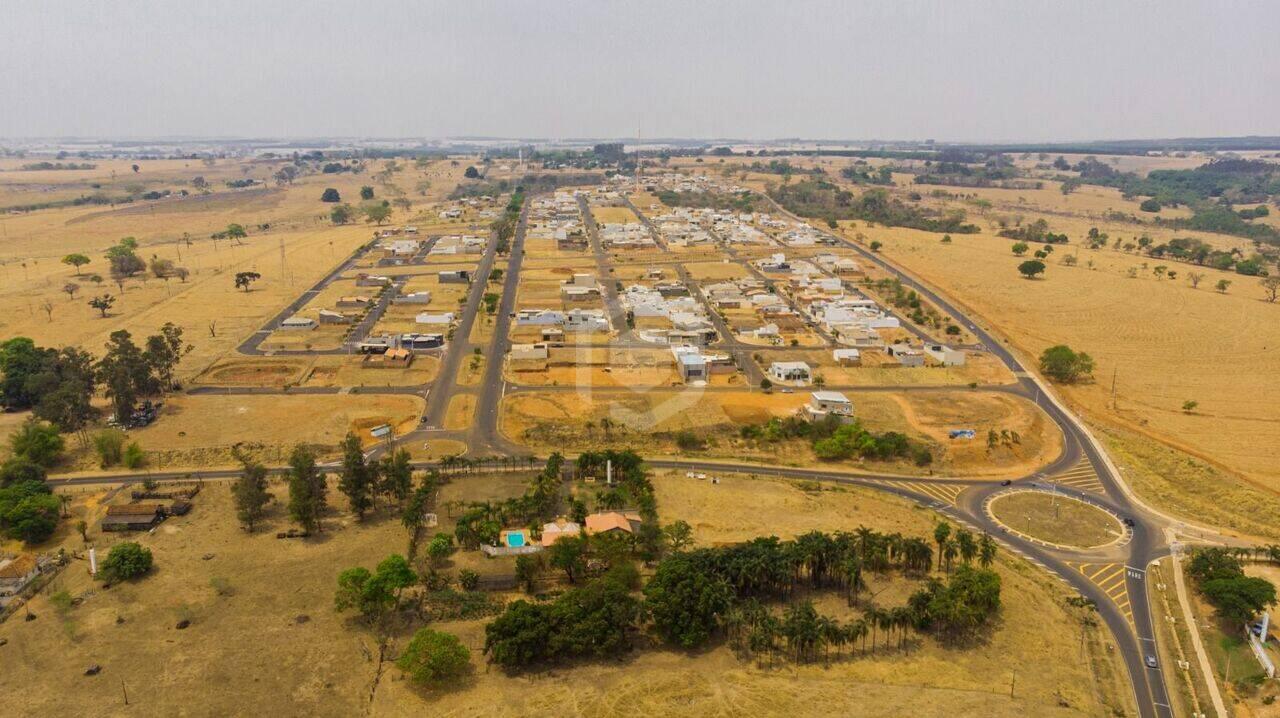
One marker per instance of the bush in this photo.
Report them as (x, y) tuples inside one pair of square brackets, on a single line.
[(688, 441), (468, 579), (109, 444), (37, 442), (28, 511), (330, 195), (1061, 364), (125, 561), (433, 657), (1150, 205), (134, 457), (18, 469)]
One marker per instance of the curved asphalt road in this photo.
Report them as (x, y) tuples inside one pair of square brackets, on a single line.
[(1145, 544)]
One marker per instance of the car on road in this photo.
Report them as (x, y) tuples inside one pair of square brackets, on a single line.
[(1151, 661), (1129, 522), (1006, 482)]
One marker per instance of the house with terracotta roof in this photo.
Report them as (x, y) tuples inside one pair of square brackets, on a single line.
[(618, 522), (15, 574), (558, 529)]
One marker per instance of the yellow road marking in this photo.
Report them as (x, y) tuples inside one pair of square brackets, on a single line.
[(1081, 476), (945, 493), (1111, 578)]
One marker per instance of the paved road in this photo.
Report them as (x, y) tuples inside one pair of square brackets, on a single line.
[(1135, 641), (1145, 543), (608, 285)]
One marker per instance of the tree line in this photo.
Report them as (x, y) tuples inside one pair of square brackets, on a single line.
[(833, 439), (698, 595)]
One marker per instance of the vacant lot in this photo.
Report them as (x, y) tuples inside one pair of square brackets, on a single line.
[(652, 421), (1160, 342)]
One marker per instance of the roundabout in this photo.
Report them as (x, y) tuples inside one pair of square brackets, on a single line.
[(1056, 520)]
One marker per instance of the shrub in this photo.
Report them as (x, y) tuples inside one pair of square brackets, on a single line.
[(1060, 363), (37, 442), (468, 579), (125, 561), (109, 444), (433, 657), (134, 457), (688, 441)]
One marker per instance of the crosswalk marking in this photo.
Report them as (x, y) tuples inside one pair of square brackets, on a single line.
[(1082, 477), (945, 493), (1111, 578)]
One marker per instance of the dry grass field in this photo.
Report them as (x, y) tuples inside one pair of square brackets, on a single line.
[(214, 314), (1057, 519), (287, 652), (649, 421), (1162, 341)]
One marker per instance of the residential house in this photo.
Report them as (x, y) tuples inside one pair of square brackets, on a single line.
[(555, 530), (422, 297), (829, 403), (615, 522), (454, 276), (354, 302), (944, 355), (16, 574), (434, 318), (296, 323), (791, 371), (847, 357), (906, 355)]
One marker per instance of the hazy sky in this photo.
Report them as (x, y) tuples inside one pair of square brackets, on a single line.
[(948, 69)]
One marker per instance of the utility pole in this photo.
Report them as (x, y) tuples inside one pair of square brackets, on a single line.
[(1114, 406), (1012, 683)]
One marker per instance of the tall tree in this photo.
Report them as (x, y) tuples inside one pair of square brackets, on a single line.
[(307, 489), (396, 476), (163, 353), (250, 492), (356, 480), (941, 533), (124, 374)]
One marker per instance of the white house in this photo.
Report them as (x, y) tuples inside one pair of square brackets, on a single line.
[(422, 297), (539, 317), (295, 323), (791, 371), (847, 357), (692, 366), (828, 403), (944, 355), (434, 318)]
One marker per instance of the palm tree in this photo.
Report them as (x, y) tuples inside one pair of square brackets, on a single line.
[(857, 630), (828, 631), (949, 551), (986, 550), (872, 618), (967, 546), (941, 533), (853, 579)]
